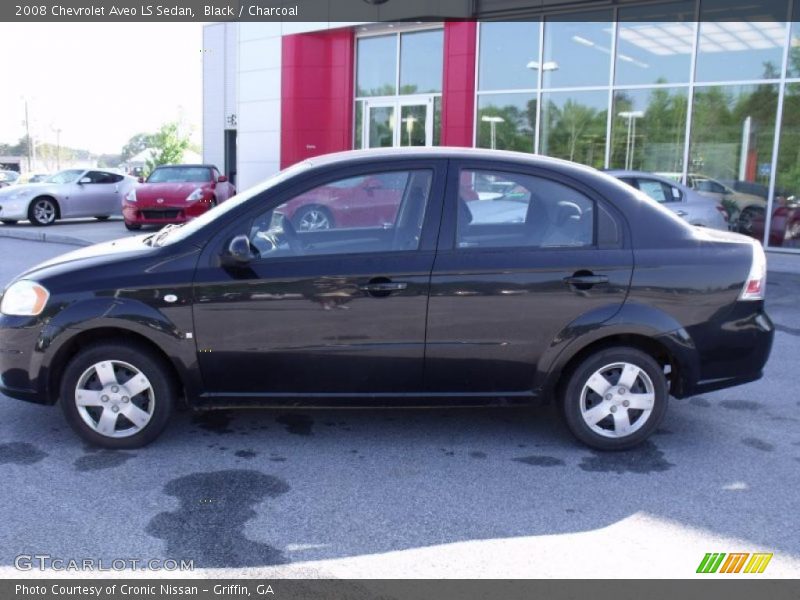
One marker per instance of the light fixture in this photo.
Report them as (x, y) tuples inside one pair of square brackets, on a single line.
[(548, 65)]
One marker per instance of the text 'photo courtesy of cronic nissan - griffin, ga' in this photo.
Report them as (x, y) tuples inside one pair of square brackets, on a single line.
[(402, 277)]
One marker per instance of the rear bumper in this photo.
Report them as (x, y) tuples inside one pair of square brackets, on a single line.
[(730, 353)]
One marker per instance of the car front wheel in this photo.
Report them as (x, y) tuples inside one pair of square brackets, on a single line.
[(615, 398), (133, 226), (117, 395), (42, 211)]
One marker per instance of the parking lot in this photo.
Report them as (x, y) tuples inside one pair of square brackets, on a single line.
[(423, 493)]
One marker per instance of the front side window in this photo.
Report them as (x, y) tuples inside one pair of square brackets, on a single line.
[(67, 176), (378, 212), (499, 209)]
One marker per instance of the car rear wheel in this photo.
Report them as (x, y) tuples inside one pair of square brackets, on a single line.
[(42, 211), (615, 398), (117, 395), (8, 221), (313, 218), (133, 226)]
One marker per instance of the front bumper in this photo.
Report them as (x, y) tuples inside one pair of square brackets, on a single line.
[(14, 210), (162, 214), (21, 375)]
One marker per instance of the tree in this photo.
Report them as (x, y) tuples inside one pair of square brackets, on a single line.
[(168, 146), (135, 145)]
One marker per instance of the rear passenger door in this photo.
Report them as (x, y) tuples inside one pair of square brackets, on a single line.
[(522, 255)]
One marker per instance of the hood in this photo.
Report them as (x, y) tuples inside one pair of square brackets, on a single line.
[(11, 190), (90, 256), (169, 191)]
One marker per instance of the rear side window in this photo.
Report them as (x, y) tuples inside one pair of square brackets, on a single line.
[(659, 191), (499, 209)]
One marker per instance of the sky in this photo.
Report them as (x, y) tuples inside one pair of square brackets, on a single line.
[(100, 83)]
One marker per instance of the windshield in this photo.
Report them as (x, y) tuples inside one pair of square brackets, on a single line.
[(179, 175), (180, 233), (8, 176), (67, 176)]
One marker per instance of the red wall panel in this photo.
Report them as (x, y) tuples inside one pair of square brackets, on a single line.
[(458, 90), (316, 94)]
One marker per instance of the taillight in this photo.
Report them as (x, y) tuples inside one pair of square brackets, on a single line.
[(756, 283)]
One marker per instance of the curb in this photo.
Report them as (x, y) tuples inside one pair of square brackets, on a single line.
[(42, 236)]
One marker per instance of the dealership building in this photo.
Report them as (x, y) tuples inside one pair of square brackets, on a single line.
[(664, 87)]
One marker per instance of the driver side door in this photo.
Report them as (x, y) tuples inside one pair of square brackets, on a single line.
[(321, 314), (92, 195)]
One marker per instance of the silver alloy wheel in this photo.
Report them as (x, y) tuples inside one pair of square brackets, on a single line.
[(313, 219), (115, 399), (617, 400), (44, 211)]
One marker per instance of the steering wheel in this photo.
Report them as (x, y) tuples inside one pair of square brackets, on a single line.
[(290, 234)]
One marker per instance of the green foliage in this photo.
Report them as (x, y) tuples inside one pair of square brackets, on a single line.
[(168, 145), (136, 144)]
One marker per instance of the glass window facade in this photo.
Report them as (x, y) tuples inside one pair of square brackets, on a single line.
[(715, 104), (399, 88)]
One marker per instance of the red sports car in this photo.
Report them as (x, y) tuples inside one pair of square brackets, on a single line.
[(174, 194), (356, 202)]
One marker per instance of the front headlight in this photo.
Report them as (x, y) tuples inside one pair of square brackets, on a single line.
[(131, 196), (195, 195), (24, 298)]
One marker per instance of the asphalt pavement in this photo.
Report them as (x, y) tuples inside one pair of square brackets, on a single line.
[(414, 493)]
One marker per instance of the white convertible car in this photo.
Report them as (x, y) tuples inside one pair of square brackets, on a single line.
[(67, 194)]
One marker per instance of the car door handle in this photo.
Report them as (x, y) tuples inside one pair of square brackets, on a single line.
[(585, 280), (383, 286), (380, 287)]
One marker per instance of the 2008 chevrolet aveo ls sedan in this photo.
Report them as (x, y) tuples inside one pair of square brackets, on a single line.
[(491, 278)]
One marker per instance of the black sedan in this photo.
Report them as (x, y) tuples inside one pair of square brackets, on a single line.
[(479, 277)]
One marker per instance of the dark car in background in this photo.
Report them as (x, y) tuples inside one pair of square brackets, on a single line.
[(498, 278), (175, 194)]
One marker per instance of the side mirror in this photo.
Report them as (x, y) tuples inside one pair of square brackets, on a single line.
[(83, 180), (238, 252), (140, 180), (222, 179)]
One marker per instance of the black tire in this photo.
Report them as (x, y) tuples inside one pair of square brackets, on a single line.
[(133, 226), (572, 399), (161, 392), (102, 217), (747, 217), (305, 212), (46, 216), (8, 221)]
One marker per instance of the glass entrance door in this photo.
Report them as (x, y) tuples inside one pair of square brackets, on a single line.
[(414, 127)]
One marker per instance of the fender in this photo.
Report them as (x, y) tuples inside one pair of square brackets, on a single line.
[(631, 319), (121, 313)]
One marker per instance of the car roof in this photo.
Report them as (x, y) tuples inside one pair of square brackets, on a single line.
[(445, 152), (205, 166)]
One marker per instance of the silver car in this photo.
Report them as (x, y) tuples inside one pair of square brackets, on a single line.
[(67, 194), (685, 202)]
